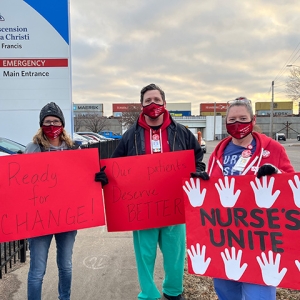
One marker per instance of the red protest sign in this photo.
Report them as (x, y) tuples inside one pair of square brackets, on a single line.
[(49, 192), (244, 228), (145, 191)]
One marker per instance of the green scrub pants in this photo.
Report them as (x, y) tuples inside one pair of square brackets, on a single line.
[(171, 241)]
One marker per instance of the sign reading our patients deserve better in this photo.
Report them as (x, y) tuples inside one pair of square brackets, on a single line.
[(49, 192), (34, 64), (145, 191), (245, 229)]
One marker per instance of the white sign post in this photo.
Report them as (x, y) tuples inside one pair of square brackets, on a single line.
[(34, 64)]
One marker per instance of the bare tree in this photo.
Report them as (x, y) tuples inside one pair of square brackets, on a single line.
[(130, 116), (78, 122), (293, 84), (94, 122)]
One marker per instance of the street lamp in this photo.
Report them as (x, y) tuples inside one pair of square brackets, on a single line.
[(272, 111)]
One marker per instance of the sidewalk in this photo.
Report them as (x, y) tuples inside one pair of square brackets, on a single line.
[(103, 269)]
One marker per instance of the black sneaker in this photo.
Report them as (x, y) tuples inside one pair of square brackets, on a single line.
[(179, 297)]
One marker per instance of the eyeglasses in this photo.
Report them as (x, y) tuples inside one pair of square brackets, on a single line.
[(239, 99), (54, 122)]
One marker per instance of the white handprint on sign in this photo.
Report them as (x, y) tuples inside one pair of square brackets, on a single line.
[(233, 268), (199, 264), (193, 192), (263, 192), (296, 190), (270, 269), (226, 192)]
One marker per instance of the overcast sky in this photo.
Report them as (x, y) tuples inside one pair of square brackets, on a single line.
[(197, 51)]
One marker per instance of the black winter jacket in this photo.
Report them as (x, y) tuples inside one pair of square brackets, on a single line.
[(179, 137)]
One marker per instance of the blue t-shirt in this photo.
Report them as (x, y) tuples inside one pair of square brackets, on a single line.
[(231, 155)]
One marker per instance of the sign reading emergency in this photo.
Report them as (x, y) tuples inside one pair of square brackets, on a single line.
[(145, 191), (245, 229), (56, 193), (34, 64)]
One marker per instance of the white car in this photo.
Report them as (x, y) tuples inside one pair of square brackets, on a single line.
[(3, 153), (91, 139), (82, 141), (11, 147), (203, 145), (280, 136), (100, 137)]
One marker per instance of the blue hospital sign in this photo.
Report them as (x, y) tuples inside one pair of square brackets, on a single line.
[(34, 64)]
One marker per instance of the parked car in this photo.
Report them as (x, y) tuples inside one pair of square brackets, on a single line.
[(80, 140), (92, 139), (3, 153), (110, 134), (298, 137), (100, 137), (11, 147), (106, 138), (203, 145), (280, 136)]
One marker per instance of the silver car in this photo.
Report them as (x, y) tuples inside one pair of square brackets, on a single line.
[(203, 145)]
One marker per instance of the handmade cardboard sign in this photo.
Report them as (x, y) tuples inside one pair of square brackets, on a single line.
[(145, 191), (245, 229), (49, 192)]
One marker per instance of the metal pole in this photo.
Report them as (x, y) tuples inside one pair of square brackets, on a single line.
[(215, 121), (271, 112)]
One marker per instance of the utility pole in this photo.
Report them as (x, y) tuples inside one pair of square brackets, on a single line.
[(271, 111), (215, 121)]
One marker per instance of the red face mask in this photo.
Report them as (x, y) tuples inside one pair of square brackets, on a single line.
[(239, 130), (52, 132), (154, 110)]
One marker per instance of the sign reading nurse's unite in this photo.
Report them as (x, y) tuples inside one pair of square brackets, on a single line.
[(245, 229), (34, 64)]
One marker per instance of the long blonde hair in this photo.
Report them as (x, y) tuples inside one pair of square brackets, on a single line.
[(41, 139)]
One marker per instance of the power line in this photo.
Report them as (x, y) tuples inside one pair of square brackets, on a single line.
[(296, 58), (283, 69)]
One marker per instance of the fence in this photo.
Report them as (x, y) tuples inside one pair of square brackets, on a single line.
[(12, 252), (105, 149)]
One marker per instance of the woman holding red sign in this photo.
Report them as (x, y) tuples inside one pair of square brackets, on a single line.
[(245, 152), (51, 136)]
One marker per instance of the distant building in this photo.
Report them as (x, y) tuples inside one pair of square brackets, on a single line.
[(280, 109), (179, 109), (209, 109), (175, 109), (119, 108), (88, 108)]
